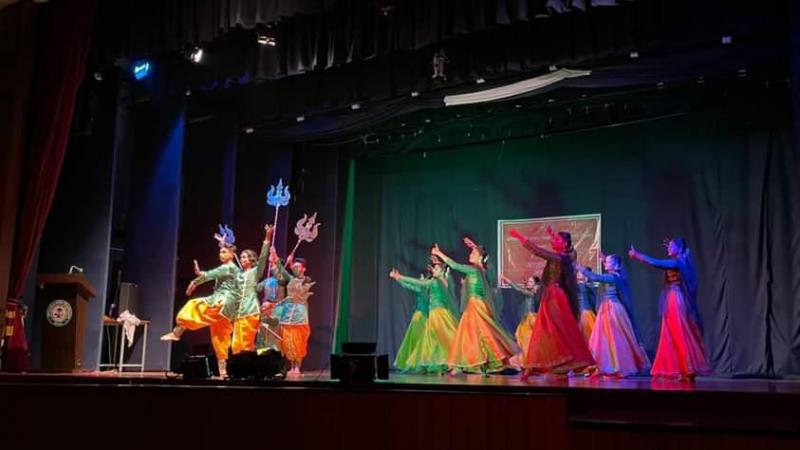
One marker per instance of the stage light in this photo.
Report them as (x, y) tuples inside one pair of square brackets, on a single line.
[(480, 80), (552, 68), (414, 94), (249, 130), (634, 55), (98, 76), (355, 106), (727, 40), (188, 92), (265, 39), (300, 119), (141, 69), (195, 54)]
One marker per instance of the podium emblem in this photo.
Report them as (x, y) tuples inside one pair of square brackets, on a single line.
[(59, 313)]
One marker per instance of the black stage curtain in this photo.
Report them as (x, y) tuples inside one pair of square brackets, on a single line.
[(725, 178)]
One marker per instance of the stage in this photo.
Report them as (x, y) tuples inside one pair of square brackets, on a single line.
[(407, 411)]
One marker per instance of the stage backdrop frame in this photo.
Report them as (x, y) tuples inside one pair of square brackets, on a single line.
[(534, 229)]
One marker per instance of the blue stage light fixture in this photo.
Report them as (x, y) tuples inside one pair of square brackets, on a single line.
[(141, 69)]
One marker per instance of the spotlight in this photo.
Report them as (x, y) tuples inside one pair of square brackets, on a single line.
[(98, 76), (194, 54), (414, 94), (249, 130), (141, 69), (265, 39), (480, 80), (552, 68), (634, 55), (301, 119), (727, 40), (355, 106)]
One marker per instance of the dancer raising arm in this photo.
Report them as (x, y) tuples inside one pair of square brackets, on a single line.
[(556, 344), (480, 343), (439, 328), (614, 342), (681, 352)]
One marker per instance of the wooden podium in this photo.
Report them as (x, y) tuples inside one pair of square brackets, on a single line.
[(61, 309)]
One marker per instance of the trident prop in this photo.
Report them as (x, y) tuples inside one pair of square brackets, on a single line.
[(306, 230), (278, 197)]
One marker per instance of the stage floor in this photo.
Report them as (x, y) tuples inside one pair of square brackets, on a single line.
[(508, 383)]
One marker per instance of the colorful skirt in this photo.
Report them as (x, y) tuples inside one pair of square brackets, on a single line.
[(613, 343), (556, 343), (523, 332), (440, 332), (294, 345), (480, 341), (411, 342), (680, 345), (197, 313), (586, 324)]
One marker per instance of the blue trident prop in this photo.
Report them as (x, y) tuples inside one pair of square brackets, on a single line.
[(278, 197)]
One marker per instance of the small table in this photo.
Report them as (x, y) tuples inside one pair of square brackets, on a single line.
[(120, 366)]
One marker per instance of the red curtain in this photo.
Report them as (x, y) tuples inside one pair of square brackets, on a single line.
[(64, 29)]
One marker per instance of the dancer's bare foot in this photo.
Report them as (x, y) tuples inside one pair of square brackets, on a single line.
[(174, 335)]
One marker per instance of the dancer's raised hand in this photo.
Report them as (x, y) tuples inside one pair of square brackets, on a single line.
[(197, 270), (517, 235)]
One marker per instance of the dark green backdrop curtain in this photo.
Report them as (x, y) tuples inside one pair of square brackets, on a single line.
[(725, 180)]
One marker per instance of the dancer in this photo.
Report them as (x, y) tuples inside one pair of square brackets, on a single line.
[(215, 310), (480, 341), (586, 303), (247, 317), (407, 359), (556, 344), (439, 327), (680, 352), (293, 311), (614, 341), (531, 292)]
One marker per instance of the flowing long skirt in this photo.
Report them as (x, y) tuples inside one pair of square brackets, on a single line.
[(411, 342), (480, 341), (586, 324), (613, 343), (524, 330), (432, 350), (680, 345), (556, 343)]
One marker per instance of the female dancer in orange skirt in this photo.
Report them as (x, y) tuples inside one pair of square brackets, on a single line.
[(480, 343), (557, 345)]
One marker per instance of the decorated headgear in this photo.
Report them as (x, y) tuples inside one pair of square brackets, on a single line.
[(225, 237)]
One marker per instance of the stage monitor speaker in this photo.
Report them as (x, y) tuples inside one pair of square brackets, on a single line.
[(128, 298), (358, 364), (242, 366), (271, 365), (195, 367)]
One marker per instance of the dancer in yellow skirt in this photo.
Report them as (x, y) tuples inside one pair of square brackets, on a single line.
[(215, 310), (480, 343), (586, 301), (433, 327), (530, 292)]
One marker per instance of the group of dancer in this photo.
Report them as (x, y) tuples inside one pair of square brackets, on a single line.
[(237, 320), (559, 334)]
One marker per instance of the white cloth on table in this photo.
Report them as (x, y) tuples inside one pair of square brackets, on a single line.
[(129, 323)]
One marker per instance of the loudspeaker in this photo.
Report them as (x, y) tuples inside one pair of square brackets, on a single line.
[(270, 365), (359, 364), (195, 367), (128, 298), (242, 366)]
